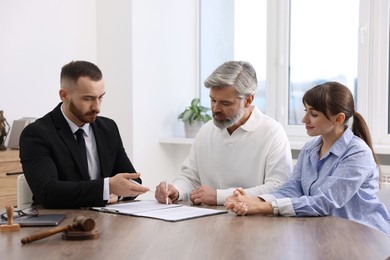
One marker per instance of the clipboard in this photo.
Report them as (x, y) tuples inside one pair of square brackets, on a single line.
[(38, 221), (153, 209)]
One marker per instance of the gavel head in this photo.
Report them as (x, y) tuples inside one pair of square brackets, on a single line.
[(83, 223)]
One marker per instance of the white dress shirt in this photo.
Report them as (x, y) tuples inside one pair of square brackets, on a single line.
[(92, 155)]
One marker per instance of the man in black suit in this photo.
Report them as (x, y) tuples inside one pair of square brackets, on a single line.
[(64, 174)]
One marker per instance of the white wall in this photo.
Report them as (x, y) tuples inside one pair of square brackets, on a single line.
[(37, 38), (147, 50), (165, 69), (148, 53), (114, 58)]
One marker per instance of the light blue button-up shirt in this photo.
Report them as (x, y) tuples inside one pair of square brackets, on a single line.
[(343, 183)]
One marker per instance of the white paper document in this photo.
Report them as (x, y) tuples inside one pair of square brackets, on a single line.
[(153, 209)]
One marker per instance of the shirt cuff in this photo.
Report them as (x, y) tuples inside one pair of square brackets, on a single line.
[(183, 196), (285, 207), (106, 189)]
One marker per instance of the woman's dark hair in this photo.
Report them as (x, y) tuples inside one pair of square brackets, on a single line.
[(332, 98)]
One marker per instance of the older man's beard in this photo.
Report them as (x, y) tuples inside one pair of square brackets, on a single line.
[(230, 121)]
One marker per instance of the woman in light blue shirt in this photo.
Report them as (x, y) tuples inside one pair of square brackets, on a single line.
[(336, 174)]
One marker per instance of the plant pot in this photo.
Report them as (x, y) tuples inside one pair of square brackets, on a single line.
[(193, 129)]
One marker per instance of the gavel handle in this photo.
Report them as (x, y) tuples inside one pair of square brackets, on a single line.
[(45, 233)]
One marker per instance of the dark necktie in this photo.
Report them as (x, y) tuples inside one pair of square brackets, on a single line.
[(80, 140)]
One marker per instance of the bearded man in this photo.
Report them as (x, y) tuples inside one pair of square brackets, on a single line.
[(71, 157), (241, 147)]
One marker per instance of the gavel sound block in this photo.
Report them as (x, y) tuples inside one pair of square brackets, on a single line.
[(10, 226), (81, 229)]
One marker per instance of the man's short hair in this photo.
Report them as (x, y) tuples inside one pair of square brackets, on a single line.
[(72, 71)]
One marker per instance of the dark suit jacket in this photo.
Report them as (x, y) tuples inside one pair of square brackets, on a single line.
[(51, 162)]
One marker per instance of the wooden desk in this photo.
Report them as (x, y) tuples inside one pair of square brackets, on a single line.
[(225, 236), (9, 162)]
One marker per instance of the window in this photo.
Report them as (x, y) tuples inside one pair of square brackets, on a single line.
[(373, 74), (233, 30), (323, 47), (297, 44)]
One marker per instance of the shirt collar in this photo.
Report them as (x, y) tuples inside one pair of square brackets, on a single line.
[(73, 126), (253, 121), (339, 146)]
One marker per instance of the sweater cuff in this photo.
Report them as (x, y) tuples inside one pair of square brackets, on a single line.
[(183, 196), (222, 195)]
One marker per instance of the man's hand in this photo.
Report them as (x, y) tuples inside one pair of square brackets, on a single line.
[(121, 185), (113, 199), (161, 193), (204, 194)]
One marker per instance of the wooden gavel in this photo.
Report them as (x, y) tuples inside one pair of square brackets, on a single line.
[(80, 223)]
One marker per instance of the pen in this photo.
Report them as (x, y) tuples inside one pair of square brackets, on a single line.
[(166, 189)]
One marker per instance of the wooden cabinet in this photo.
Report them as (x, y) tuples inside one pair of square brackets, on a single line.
[(9, 163)]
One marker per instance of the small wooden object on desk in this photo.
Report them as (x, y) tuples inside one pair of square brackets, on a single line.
[(10, 226), (84, 227)]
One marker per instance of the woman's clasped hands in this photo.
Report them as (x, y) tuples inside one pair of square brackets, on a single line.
[(241, 204)]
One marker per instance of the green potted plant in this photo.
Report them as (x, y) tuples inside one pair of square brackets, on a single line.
[(194, 116)]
